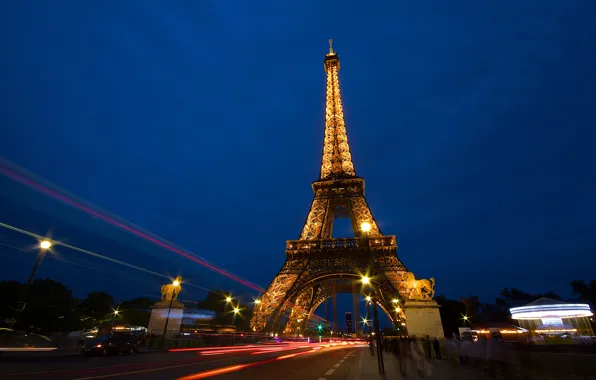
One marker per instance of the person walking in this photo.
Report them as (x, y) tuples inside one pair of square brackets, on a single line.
[(437, 348), (428, 348)]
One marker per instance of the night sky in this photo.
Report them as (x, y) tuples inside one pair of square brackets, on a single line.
[(472, 123)]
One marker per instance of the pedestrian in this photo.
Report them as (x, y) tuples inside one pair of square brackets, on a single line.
[(396, 348), (437, 348), (406, 354), (428, 348)]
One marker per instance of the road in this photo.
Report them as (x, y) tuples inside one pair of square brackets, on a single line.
[(288, 362)]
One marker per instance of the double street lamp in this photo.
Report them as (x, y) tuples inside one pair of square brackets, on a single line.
[(365, 227)]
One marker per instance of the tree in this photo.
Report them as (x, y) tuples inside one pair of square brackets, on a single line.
[(97, 307), (586, 292), (10, 295), (136, 312), (50, 307), (452, 312), (515, 297)]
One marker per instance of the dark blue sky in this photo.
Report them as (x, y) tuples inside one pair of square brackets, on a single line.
[(202, 121)]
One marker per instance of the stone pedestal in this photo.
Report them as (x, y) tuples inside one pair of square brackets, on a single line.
[(423, 318), (159, 313)]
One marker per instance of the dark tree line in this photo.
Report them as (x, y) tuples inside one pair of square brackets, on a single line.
[(453, 311), (51, 307)]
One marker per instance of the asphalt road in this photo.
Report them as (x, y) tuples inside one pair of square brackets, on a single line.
[(304, 363)]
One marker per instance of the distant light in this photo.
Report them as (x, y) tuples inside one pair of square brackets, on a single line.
[(365, 280), (397, 309), (45, 244), (257, 301), (365, 227), (395, 300), (236, 310), (176, 283), (116, 312), (368, 298), (228, 299)]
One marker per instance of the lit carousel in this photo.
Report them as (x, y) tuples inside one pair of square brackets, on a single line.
[(550, 317)]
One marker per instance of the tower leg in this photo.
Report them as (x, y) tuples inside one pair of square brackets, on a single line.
[(356, 318), (334, 298)]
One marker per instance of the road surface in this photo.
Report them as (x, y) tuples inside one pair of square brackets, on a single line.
[(288, 362)]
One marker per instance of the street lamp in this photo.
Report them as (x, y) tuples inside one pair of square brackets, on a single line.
[(175, 290), (44, 245), (257, 301), (395, 300), (366, 227), (236, 310), (228, 299)]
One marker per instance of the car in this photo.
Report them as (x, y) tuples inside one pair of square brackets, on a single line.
[(112, 344)]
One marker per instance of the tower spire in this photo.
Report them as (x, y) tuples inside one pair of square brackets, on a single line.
[(337, 160)]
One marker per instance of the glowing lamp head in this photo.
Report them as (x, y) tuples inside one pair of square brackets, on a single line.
[(257, 301), (397, 309), (176, 283), (46, 244), (228, 299), (365, 227), (365, 280), (368, 298), (116, 312), (395, 300), (236, 310)]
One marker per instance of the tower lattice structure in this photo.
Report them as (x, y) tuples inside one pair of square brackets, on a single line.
[(303, 282)]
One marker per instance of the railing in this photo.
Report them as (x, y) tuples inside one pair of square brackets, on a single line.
[(340, 244)]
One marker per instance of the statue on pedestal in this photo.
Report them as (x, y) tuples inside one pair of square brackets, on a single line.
[(169, 292), (422, 289)]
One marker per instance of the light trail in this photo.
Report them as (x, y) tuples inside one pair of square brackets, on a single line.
[(146, 236), (24, 177), (219, 371), (87, 252)]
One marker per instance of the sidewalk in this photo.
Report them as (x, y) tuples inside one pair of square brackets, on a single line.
[(366, 368)]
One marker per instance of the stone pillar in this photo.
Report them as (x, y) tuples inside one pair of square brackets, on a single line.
[(423, 318), (159, 312)]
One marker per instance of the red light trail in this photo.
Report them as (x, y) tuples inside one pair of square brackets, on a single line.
[(54, 194), (22, 178)]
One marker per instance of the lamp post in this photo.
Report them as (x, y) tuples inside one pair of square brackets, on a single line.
[(176, 285), (366, 227), (43, 247)]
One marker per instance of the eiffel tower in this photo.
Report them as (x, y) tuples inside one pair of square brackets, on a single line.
[(318, 266)]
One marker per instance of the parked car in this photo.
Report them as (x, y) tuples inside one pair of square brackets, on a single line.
[(112, 344)]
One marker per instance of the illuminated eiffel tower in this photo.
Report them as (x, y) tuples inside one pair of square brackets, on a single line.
[(318, 266)]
